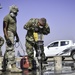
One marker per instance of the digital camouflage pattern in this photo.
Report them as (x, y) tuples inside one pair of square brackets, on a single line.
[(30, 41)]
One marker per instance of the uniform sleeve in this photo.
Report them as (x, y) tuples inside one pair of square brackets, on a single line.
[(5, 22), (6, 19), (28, 25), (46, 29)]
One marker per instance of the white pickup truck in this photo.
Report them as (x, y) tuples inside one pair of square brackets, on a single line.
[(61, 48)]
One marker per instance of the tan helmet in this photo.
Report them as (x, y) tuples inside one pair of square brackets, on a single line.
[(14, 8)]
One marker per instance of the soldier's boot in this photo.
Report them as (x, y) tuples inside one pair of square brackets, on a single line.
[(8, 68), (4, 65), (15, 69)]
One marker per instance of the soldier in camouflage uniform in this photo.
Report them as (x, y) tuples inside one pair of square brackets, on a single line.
[(32, 26), (10, 32), (1, 43)]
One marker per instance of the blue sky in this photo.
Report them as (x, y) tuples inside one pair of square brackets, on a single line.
[(60, 15)]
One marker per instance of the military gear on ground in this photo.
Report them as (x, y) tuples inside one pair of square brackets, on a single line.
[(8, 41), (14, 8)]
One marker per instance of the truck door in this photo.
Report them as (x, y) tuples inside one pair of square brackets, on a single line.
[(52, 49)]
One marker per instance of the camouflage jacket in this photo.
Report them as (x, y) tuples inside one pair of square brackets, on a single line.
[(30, 27)]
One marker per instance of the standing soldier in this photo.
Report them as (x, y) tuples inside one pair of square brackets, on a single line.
[(10, 32), (1, 43), (34, 25)]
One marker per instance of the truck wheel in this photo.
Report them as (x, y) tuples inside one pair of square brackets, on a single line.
[(73, 55)]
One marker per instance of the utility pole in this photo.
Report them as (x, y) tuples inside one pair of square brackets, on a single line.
[(0, 6)]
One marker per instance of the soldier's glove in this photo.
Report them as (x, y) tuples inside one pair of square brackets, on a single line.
[(17, 39), (8, 41)]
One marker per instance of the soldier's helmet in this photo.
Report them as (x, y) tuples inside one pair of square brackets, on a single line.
[(14, 9), (42, 21)]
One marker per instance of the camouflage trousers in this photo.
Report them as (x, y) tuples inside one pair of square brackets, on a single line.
[(9, 56), (30, 51)]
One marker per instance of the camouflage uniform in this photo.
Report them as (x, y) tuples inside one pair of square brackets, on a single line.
[(10, 32), (10, 53), (1, 43), (30, 41)]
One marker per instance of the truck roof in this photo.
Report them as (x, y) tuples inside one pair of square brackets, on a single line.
[(70, 41)]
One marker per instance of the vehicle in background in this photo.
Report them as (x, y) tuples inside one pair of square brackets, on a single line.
[(61, 48)]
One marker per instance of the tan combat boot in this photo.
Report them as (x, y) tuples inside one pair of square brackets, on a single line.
[(8, 68), (15, 69)]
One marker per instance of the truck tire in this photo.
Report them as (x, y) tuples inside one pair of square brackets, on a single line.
[(73, 55)]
